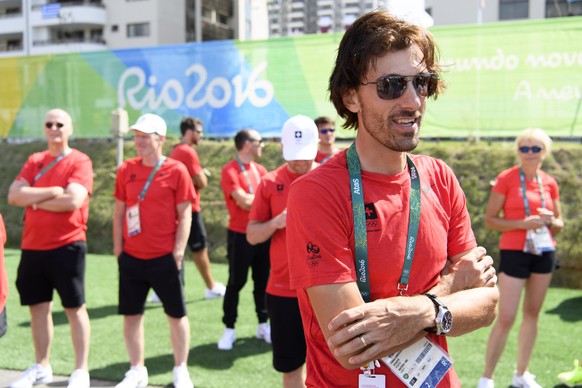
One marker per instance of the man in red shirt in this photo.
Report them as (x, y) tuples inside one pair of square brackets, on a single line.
[(191, 129), (153, 209), (239, 181), (326, 149), (54, 188), (3, 281), (378, 234), (267, 221)]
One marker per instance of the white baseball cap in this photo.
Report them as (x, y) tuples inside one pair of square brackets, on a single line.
[(150, 123), (299, 138)]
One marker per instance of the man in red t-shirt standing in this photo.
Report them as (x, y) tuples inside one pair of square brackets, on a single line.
[(191, 129), (239, 181), (378, 233), (326, 148), (267, 221), (153, 210), (54, 188)]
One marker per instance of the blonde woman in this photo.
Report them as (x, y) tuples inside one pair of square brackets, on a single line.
[(527, 248)]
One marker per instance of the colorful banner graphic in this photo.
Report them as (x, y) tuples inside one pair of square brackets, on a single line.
[(501, 78)]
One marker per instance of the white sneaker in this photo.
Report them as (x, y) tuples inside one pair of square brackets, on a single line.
[(182, 377), (484, 382), (217, 291), (154, 298), (135, 377), (264, 332), (79, 379), (36, 374), (527, 380), (227, 339)]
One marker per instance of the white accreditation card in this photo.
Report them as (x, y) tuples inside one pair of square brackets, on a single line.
[(422, 364), (132, 219), (543, 240), (371, 381)]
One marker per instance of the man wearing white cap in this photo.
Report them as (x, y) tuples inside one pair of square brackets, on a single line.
[(150, 229), (267, 219)]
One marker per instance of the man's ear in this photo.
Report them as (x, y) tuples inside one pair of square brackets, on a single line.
[(351, 100)]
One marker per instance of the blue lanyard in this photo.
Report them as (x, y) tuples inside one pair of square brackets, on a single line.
[(360, 234), (51, 165), (151, 178), (524, 190)]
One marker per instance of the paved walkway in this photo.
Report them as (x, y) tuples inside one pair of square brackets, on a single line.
[(8, 376)]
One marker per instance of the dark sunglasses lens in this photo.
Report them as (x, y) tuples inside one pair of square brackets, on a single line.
[(425, 84), (50, 125), (391, 87), (526, 149), (325, 131)]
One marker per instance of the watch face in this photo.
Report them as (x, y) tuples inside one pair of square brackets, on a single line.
[(447, 322)]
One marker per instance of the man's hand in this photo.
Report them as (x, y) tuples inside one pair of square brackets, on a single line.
[(374, 330), (179, 258), (468, 270), (280, 220)]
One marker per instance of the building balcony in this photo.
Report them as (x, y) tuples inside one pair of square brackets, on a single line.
[(71, 13), (59, 46), (12, 23)]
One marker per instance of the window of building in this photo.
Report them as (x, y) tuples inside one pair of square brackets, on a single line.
[(562, 8), (114, 28), (513, 9), (138, 29)]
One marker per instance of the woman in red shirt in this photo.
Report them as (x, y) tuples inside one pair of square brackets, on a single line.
[(527, 249)]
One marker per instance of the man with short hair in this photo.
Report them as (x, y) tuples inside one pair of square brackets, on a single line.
[(191, 129), (54, 188), (383, 258), (153, 197), (326, 148), (239, 180), (267, 221)]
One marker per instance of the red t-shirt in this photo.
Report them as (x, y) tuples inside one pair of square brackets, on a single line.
[(270, 201), (187, 155), (508, 184), (232, 179), (3, 275), (320, 224), (43, 229), (158, 216)]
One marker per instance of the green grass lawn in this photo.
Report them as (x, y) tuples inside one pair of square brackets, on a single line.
[(249, 363)]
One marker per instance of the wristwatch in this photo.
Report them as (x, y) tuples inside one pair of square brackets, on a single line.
[(443, 318)]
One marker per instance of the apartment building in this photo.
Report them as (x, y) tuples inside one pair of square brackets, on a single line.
[(32, 27)]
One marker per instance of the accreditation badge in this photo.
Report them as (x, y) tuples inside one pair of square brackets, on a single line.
[(370, 380), (132, 220), (543, 240), (422, 364)]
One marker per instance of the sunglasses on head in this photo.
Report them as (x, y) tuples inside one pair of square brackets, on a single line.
[(526, 149), (49, 125), (325, 131), (391, 87)]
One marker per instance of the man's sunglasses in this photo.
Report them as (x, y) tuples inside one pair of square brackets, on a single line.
[(260, 141), (391, 87), (526, 149), (325, 131), (49, 125)]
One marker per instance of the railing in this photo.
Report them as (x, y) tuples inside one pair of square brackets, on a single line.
[(71, 4), (68, 40)]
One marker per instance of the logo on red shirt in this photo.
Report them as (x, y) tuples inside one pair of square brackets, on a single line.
[(313, 255)]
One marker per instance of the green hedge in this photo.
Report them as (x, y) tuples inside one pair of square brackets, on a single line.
[(475, 165)]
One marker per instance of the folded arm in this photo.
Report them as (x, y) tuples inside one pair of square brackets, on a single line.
[(259, 232), (467, 288)]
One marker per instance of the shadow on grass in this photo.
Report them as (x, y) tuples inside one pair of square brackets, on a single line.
[(569, 309), (208, 356), (205, 356)]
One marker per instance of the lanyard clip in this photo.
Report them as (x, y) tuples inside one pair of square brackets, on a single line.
[(402, 288)]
